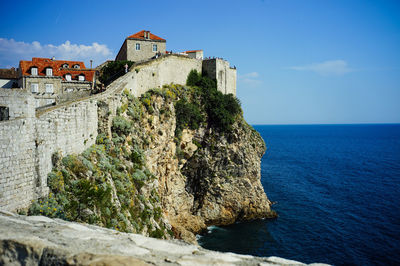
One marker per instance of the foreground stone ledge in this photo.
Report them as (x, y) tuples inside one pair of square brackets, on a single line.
[(38, 240)]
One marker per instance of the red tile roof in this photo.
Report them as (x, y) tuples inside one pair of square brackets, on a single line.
[(57, 66), (192, 51), (140, 35)]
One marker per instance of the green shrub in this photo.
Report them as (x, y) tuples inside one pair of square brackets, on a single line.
[(74, 164), (146, 101), (134, 109), (137, 157), (138, 175), (187, 115), (193, 78), (121, 125), (55, 181), (196, 79), (113, 70), (100, 138), (48, 207), (157, 233), (221, 109)]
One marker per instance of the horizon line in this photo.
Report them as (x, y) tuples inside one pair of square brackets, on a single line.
[(326, 124)]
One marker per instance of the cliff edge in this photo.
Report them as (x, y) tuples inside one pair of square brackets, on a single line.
[(167, 164)]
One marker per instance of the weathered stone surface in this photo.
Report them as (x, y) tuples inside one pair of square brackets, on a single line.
[(43, 241), (205, 178)]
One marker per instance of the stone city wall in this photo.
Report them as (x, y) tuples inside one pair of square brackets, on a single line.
[(28, 142), (17, 163), (17, 149), (231, 81), (19, 102), (70, 129), (29, 139), (156, 73), (221, 71)]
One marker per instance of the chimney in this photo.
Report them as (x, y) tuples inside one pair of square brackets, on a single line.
[(147, 34), (53, 58)]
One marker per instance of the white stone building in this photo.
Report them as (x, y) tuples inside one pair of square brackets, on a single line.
[(141, 46)]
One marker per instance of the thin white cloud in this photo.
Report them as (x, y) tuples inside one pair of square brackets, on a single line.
[(251, 75), (326, 68), (11, 52), (250, 78)]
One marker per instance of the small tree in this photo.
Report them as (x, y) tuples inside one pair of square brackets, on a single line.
[(193, 78), (187, 115), (113, 70)]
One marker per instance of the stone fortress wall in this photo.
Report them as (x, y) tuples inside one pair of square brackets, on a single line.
[(30, 138), (158, 72), (221, 71), (17, 149), (27, 143)]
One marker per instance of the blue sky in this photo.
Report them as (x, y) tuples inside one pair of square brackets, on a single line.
[(299, 62)]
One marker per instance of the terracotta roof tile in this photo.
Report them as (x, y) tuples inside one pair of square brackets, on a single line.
[(57, 66), (192, 51), (140, 35)]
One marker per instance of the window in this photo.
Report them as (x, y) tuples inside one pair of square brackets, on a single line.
[(81, 78), (68, 77), (49, 88), (49, 101), (34, 71), (137, 46), (65, 65), (49, 71), (77, 66), (34, 87), (154, 47), (4, 113)]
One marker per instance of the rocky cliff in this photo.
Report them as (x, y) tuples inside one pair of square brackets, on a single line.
[(162, 170)]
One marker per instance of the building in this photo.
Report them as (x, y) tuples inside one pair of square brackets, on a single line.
[(220, 70), (8, 78), (197, 54), (53, 81), (141, 46)]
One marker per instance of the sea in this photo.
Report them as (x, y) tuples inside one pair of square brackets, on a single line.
[(337, 194)]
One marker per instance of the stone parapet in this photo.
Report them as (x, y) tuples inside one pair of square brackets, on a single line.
[(34, 240)]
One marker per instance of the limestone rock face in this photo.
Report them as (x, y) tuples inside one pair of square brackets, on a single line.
[(205, 178), (224, 177), (144, 176)]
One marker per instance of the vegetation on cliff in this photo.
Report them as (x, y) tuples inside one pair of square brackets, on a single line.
[(221, 109), (172, 148), (108, 184)]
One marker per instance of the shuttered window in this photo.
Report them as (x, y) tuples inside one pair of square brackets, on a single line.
[(34, 87), (49, 88)]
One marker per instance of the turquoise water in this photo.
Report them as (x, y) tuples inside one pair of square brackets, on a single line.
[(337, 189)]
